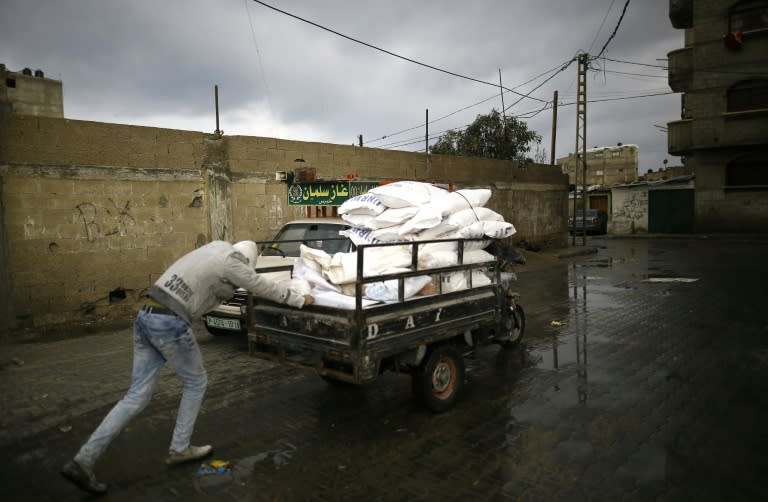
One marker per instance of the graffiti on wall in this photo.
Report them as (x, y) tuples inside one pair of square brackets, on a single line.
[(633, 207), (107, 220)]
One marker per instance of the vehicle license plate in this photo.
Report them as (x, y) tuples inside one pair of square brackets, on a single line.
[(224, 323)]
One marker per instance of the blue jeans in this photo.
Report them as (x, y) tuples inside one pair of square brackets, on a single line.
[(157, 339)]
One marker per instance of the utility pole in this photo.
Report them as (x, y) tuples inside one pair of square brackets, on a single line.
[(217, 132), (426, 142), (503, 111), (581, 146), (554, 129), (360, 139)]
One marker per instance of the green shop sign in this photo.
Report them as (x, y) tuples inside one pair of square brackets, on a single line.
[(326, 193)]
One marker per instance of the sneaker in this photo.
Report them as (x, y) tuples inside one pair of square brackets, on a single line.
[(83, 477), (191, 453)]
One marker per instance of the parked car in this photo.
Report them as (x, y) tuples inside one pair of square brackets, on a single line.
[(594, 221), (283, 249)]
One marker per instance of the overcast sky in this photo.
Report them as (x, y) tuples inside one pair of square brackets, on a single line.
[(155, 63)]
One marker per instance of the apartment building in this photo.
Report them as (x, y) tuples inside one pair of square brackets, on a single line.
[(722, 134), (30, 93), (606, 166)]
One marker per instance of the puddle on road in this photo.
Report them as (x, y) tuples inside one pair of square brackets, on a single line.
[(587, 301), (243, 470), (562, 350)]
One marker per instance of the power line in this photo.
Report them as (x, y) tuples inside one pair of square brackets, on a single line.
[(698, 70), (564, 67), (663, 67), (630, 97), (560, 66), (258, 55), (597, 33), (548, 106), (386, 51), (529, 114), (635, 74), (431, 121), (621, 98), (605, 46)]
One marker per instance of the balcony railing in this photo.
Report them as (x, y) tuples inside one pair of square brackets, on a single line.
[(681, 13), (680, 73), (679, 137), (735, 129)]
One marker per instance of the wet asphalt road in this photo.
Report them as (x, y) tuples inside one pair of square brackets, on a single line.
[(644, 376)]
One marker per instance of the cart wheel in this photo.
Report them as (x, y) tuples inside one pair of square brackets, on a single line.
[(518, 329), (439, 380)]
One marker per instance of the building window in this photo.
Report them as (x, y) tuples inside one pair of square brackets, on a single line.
[(597, 155), (10, 82), (685, 112), (747, 172), (616, 153), (748, 95), (749, 15)]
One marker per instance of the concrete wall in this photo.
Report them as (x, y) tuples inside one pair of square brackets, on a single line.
[(92, 213), (719, 209), (711, 135), (30, 94), (629, 210)]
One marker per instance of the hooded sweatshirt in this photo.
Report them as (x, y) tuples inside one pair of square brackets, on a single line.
[(205, 277)]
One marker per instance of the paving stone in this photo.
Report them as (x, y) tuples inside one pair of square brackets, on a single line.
[(645, 392)]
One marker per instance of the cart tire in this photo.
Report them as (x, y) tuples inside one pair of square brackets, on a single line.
[(440, 379), (518, 330)]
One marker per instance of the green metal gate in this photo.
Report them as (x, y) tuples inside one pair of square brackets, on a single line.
[(670, 211)]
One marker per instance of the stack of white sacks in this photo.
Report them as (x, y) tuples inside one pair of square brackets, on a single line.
[(404, 211)]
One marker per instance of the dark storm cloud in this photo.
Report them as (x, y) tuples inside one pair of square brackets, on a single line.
[(155, 63)]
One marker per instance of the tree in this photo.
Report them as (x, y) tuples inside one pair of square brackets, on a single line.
[(489, 136)]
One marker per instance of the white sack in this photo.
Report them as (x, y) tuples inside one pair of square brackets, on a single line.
[(452, 246), (453, 202), (440, 231), (316, 259), (393, 216), (448, 257), (386, 291), (472, 231), (475, 197), (457, 281), (314, 278), (390, 234), (468, 216), (360, 236), (428, 216), (362, 204), (337, 300), (343, 267), (358, 220), (406, 193), (298, 285), (498, 229)]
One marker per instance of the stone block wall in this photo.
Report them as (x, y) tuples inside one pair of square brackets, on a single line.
[(91, 213)]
